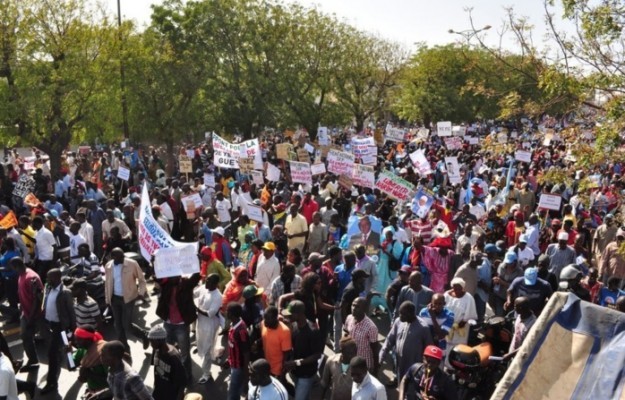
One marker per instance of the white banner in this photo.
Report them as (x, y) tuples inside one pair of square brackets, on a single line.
[(443, 128), (152, 237), (300, 172), (176, 261), (251, 149), (226, 154), (340, 162), (453, 170), (364, 175)]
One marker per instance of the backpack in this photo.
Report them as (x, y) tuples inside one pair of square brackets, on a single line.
[(394, 264)]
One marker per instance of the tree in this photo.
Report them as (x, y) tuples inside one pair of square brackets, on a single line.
[(56, 58)]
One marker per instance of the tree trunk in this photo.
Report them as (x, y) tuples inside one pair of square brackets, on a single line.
[(171, 157), (55, 161)]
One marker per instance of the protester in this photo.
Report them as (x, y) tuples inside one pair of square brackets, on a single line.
[(169, 372)]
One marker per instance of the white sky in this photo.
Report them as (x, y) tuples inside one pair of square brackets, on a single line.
[(405, 21)]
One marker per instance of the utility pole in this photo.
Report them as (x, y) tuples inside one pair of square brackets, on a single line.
[(122, 73)]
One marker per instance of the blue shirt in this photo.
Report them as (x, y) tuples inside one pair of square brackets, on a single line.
[(8, 272), (445, 321), (344, 278)]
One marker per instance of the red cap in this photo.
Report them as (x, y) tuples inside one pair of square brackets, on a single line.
[(434, 352)]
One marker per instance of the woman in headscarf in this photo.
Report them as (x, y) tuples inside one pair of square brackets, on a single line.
[(211, 265), (462, 304), (89, 343), (234, 288), (515, 228)]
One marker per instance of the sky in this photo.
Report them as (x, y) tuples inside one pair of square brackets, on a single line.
[(404, 21)]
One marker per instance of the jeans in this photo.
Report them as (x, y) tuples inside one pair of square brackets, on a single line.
[(27, 334), (179, 334), (55, 354), (122, 318), (303, 386), (236, 384), (480, 307)]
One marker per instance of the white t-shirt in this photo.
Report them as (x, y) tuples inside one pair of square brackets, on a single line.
[(525, 256), (44, 246), (8, 385), (223, 210), (74, 242), (273, 391)]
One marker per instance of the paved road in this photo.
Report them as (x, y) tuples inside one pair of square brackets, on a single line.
[(70, 388)]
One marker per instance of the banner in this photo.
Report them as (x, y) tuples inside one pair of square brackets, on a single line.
[(300, 172), (421, 163), (364, 175), (226, 154), (176, 261), (453, 143), (394, 186), (340, 162), (394, 134), (251, 149), (8, 221), (453, 170), (443, 128), (152, 238)]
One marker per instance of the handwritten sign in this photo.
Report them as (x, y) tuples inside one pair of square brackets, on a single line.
[(364, 175), (340, 162), (123, 173), (300, 172), (302, 155), (257, 177), (226, 154), (550, 201), (283, 150), (176, 261), (392, 134), (318, 169), (524, 156), (443, 128), (255, 213), (25, 184), (394, 186)]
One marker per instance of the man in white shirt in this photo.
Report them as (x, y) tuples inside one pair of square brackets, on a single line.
[(263, 386), (111, 222), (8, 384), (268, 267), (75, 240), (477, 209), (223, 207), (44, 247), (86, 230), (365, 386), (524, 254)]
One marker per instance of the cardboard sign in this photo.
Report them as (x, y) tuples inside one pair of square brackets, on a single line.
[(186, 166), (524, 156), (123, 173), (394, 186), (322, 136), (246, 164), (364, 175), (300, 172), (318, 169), (209, 180), (273, 173), (550, 201), (453, 170), (346, 182), (378, 136), (443, 128), (176, 261), (303, 155), (255, 213), (257, 177), (394, 134), (283, 150), (340, 162)]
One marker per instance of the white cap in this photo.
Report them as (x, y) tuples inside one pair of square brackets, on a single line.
[(219, 230), (563, 236)]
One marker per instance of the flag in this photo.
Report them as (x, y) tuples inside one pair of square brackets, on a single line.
[(31, 200), (8, 221)]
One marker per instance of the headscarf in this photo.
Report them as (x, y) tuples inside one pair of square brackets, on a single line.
[(234, 290)]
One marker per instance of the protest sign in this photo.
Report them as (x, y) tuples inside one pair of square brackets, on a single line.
[(394, 134), (153, 237), (226, 154), (25, 184), (369, 160), (318, 169), (283, 150), (273, 173), (364, 175), (251, 149), (422, 134), (84, 150), (443, 128), (209, 180), (191, 153), (473, 140), (378, 136), (346, 182), (176, 261), (363, 147), (302, 155), (524, 156), (458, 130), (421, 203), (246, 164), (31, 200), (193, 199), (300, 172), (322, 136), (257, 177), (340, 162), (453, 170), (255, 213), (186, 166), (420, 162), (8, 221), (453, 143), (123, 173), (550, 201), (394, 186), (309, 148), (122, 144)]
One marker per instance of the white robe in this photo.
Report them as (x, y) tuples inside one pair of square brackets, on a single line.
[(207, 326)]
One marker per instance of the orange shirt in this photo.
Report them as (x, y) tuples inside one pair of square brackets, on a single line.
[(275, 343)]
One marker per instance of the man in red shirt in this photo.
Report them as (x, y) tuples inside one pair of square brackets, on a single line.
[(30, 293), (308, 208), (238, 351)]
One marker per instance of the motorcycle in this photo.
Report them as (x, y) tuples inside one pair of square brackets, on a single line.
[(477, 369)]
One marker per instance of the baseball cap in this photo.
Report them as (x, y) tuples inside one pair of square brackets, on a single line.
[(434, 352), (510, 258), (294, 307), (563, 236), (491, 248), (252, 291), (405, 269), (531, 274), (219, 230), (269, 246)]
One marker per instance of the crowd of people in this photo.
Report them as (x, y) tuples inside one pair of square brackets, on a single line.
[(293, 302)]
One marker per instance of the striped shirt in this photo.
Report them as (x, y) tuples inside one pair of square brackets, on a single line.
[(238, 344), (274, 391), (86, 312), (559, 258), (364, 333), (445, 321), (418, 227)]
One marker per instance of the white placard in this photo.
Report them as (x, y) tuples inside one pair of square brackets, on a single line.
[(322, 136), (123, 173), (550, 201), (176, 261), (443, 128), (195, 199), (458, 130), (273, 173), (364, 175), (340, 162), (255, 213), (191, 153), (369, 160), (122, 144), (394, 134), (209, 180), (300, 172), (257, 177), (309, 148), (420, 162), (453, 170), (251, 149), (473, 140), (524, 156), (318, 169)]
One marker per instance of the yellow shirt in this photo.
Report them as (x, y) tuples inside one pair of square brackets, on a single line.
[(29, 239), (294, 226)]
